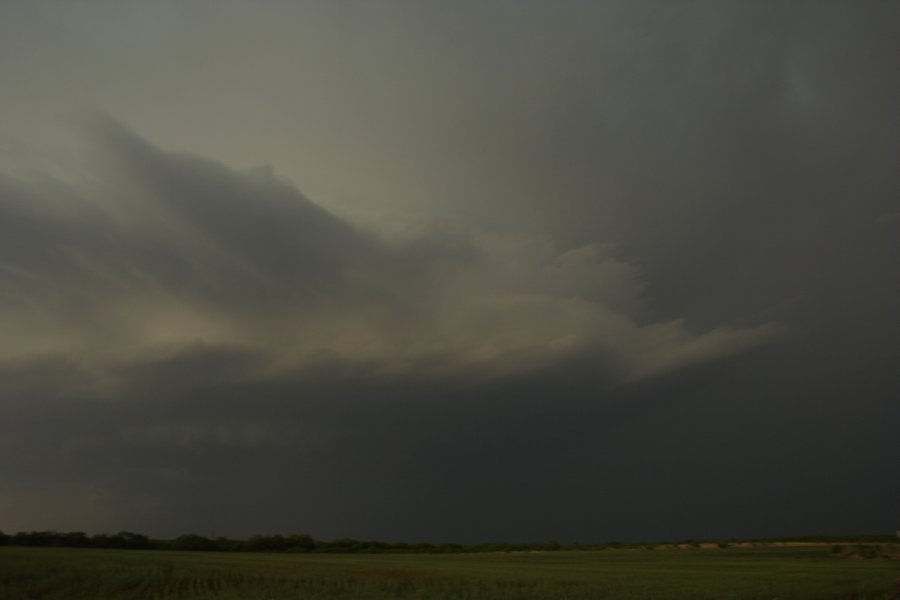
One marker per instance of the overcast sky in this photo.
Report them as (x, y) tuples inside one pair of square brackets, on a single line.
[(450, 271)]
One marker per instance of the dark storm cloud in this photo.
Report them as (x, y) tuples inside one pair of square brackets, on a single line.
[(766, 132), (184, 223), (160, 248), (171, 320), (639, 193)]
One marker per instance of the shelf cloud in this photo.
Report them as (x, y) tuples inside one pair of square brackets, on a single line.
[(164, 251)]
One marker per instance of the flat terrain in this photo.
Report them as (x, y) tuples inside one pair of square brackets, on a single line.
[(741, 573)]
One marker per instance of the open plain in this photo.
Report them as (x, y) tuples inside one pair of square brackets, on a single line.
[(647, 573)]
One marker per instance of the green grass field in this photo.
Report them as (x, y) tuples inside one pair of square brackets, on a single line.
[(760, 573)]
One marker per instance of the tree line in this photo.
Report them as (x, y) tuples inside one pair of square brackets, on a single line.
[(257, 543), (301, 542)]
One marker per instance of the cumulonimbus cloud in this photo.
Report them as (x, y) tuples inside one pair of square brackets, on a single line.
[(158, 251)]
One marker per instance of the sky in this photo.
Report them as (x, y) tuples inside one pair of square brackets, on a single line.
[(450, 271)]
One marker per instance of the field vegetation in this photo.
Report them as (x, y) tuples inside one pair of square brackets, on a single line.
[(737, 572)]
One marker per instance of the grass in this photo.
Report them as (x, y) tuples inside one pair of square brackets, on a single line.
[(757, 573)]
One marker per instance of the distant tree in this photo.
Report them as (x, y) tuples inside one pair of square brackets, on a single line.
[(278, 543), (267, 543), (371, 546), (75, 539), (135, 541), (123, 539), (4, 539), (340, 545), (193, 542), (255, 543), (223, 544), (36, 538), (300, 542)]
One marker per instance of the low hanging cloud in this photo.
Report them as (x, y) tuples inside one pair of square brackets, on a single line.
[(148, 254)]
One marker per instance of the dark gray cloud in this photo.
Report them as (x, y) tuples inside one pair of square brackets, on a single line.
[(172, 316), (167, 250), (574, 270)]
